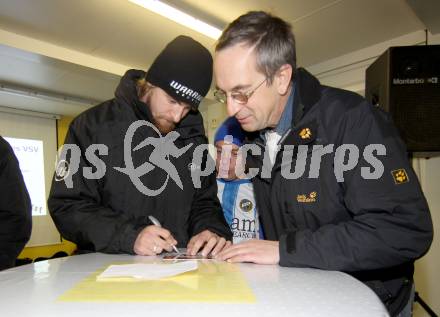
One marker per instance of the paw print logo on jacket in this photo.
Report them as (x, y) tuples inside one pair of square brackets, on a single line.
[(311, 198), (400, 176), (305, 133)]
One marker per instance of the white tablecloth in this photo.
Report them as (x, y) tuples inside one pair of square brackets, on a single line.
[(32, 290)]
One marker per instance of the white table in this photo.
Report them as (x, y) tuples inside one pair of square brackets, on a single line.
[(33, 289)]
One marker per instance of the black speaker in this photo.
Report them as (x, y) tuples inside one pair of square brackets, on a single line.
[(405, 81)]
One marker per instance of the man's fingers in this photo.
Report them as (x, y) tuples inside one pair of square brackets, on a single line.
[(153, 240), (190, 245), (143, 250), (256, 251), (232, 251), (221, 244), (246, 257), (166, 236), (228, 244), (199, 241), (208, 240), (157, 249), (161, 245), (209, 245)]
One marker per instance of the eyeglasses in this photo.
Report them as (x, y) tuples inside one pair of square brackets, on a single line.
[(239, 97)]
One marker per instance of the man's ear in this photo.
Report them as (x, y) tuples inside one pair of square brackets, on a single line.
[(283, 78)]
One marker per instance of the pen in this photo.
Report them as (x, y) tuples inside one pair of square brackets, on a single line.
[(157, 223)]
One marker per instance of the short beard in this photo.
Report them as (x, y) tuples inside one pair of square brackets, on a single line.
[(164, 126)]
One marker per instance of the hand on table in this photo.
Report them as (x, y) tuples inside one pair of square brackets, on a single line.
[(255, 251), (153, 240), (208, 242)]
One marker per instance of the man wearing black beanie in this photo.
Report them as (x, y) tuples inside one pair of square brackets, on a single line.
[(112, 212)]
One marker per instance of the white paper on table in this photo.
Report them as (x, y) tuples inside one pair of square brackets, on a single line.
[(149, 271)]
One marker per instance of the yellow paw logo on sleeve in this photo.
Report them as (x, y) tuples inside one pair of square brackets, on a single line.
[(400, 176), (305, 133), (304, 199)]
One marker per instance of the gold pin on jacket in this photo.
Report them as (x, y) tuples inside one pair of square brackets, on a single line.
[(305, 133)]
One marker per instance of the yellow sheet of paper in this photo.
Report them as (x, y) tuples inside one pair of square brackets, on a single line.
[(212, 282)]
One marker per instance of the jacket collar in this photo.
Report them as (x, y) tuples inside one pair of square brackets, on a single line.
[(307, 94)]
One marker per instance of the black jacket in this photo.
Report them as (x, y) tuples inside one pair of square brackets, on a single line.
[(106, 214), (371, 228), (15, 208)]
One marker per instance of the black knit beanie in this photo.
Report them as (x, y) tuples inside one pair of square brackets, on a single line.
[(183, 69)]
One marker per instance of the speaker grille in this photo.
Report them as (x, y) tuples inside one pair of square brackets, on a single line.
[(416, 112)]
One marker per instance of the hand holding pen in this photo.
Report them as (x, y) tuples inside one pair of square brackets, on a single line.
[(157, 223), (153, 239)]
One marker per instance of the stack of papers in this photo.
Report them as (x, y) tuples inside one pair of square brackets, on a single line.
[(147, 271)]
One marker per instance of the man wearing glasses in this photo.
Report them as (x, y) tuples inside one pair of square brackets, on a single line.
[(371, 225)]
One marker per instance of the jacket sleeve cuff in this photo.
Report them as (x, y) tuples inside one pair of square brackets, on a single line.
[(287, 248)]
